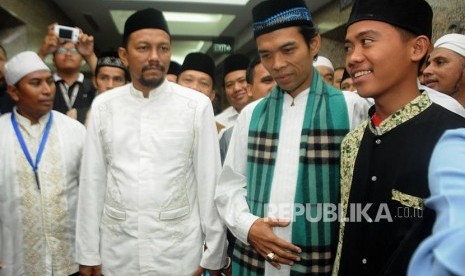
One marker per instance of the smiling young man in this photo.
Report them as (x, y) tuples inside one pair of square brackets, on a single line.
[(235, 89), (445, 67), (40, 158), (284, 152), (151, 162), (384, 161)]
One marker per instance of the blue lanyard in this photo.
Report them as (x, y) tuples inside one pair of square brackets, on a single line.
[(24, 146)]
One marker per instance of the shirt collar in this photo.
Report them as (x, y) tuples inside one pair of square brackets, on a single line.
[(157, 90), (26, 123), (57, 78), (410, 110)]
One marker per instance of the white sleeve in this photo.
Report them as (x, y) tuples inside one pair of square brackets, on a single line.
[(444, 100), (207, 166), (357, 107), (231, 191), (92, 187)]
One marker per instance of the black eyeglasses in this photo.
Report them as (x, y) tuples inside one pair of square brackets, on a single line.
[(64, 51)]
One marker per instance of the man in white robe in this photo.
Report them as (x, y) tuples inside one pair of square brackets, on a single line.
[(149, 172), (235, 89), (287, 54), (38, 198)]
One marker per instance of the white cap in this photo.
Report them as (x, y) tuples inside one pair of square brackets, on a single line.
[(322, 61), (22, 64), (454, 42)]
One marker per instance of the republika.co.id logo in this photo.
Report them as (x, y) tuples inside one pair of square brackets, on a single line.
[(329, 212)]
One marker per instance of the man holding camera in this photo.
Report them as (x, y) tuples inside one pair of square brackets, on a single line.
[(69, 47)]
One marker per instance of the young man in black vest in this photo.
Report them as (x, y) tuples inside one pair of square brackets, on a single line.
[(384, 161)]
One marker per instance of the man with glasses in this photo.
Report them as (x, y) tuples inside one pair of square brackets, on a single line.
[(74, 92)]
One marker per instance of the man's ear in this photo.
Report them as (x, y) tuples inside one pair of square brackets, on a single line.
[(420, 48), (13, 92), (213, 95), (315, 44), (249, 90), (123, 55)]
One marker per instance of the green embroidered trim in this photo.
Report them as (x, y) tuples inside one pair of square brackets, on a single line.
[(349, 151), (412, 109), (408, 200)]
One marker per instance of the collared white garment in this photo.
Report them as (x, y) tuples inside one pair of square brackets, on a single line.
[(146, 198), (231, 191), (228, 117), (444, 100), (37, 228), (57, 78)]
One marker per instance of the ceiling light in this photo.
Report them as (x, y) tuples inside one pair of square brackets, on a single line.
[(182, 23), (192, 17), (215, 2)]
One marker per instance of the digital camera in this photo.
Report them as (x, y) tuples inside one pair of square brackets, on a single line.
[(66, 33)]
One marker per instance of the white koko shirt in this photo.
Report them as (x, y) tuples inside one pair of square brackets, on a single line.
[(37, 228), (231, 192), (147, 185)]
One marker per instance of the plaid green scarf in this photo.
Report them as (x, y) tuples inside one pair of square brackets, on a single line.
[(325, 124)]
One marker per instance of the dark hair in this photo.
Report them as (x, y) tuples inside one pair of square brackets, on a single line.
[(308, 33), (406, 35), (250, 72)]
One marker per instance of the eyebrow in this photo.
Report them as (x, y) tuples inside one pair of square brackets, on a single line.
[(365, 33), (287, 44), (266, 78)]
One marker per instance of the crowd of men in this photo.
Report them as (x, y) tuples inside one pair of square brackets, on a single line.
[(131, 173)]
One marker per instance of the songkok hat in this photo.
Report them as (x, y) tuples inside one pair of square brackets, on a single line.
[(144, 19), (322, 61), (199, 62), (454, 42), (110, 61), (415, 16), (235, 62), (271, 15), (22, 64), (174, 68)]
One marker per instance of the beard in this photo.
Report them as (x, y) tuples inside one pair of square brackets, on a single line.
[(152, 82)]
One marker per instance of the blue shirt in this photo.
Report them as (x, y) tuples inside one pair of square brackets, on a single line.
[(443, 253)]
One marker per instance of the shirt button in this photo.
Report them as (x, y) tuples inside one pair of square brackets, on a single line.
[(378, 141), (364, 261), (374, 178)]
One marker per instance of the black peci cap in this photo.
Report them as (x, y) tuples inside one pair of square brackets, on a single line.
[(199, 62), (144, 19), (235, 62), (415, 16)]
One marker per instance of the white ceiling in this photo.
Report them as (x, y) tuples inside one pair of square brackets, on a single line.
[(104, 19)]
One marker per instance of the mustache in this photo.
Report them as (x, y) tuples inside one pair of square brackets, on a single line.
[(153, 66)]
